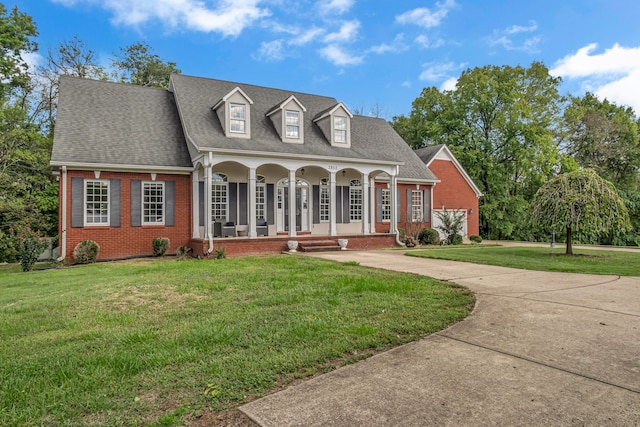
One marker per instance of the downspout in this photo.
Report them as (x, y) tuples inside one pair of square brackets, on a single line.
[(394, 203), (63, 231), (208, 189)]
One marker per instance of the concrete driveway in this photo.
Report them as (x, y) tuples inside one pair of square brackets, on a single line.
[(539, 349)]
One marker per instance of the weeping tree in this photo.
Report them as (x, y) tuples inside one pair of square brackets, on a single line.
[(580, 201)]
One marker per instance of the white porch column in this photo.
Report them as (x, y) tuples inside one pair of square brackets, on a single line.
[(393, 227), (292, 203), (208, 225), (372, 205), (195, 203), (365, 203), (252, 204), (333, 231)]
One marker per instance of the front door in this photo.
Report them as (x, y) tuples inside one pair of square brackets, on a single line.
[(301, 202)]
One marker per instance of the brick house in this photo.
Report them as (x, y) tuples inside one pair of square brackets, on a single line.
[(210, 163)]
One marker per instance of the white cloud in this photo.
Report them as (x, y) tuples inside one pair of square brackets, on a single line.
[(613, 74), (449, 84), (347, 33), (228, 17), (338, 56), (270, 51), (335, 6), (307, 36), (32, 59), (425, 43), (426, 17), (508, 38), (397, 46), (434, 71)]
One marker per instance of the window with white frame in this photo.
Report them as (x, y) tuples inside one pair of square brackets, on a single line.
[(261, 197), (386, 204), (237, 118), (355, 200), (416, 205), (219, 197), (96, 202), (292, 123), (152, 203), (340, 129), (324, 200)]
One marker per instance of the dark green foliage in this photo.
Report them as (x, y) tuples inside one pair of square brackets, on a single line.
[(26, 244), (160, 246), (475, 238), (86, 252), (219, 253), (455, 239), (429, 236)]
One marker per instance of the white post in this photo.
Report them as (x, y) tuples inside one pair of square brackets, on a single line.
[(292, 203), (207, 204), (393, 226), (252, 204), (365, 203), (195, 197), (332, 204), (372, 205)]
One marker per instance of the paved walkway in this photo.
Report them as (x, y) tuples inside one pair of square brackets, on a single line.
[(539, 349)]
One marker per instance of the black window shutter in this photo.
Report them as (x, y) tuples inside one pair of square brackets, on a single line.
[(270, 203), (427, 205), (136, 203), (243, 198), (114, 202), (170, 203), (338, 200), (233, 202), (346, 217), (77, 201), (409, 205), (201, 209), (316, 204), (378, 204)]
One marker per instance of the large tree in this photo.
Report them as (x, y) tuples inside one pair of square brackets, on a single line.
[(138, 65), (500, 122), (580, 201)]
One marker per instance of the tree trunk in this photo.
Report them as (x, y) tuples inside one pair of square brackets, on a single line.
[(569, 250)]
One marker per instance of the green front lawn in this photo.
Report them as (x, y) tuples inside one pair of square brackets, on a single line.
[(161, 341), (541, 258)]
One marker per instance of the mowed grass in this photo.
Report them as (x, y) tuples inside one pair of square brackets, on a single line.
[(542, 259), (156, 342)]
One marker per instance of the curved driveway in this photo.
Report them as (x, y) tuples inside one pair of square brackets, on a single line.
[(540, 348)]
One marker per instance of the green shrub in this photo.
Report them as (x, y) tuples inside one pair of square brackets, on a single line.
[(28, 244), (429, 236), (86, 252), (475, 238), (219, 253), (160, 246), (455, 239)]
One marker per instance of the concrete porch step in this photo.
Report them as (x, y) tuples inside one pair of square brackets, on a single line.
[(319, 246)]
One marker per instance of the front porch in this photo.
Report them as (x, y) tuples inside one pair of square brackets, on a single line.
[(239, 246)]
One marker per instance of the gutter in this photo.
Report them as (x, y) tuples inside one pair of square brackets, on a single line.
[(63, 233)]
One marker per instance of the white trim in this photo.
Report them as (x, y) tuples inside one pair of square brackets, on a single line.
[(84, 204), (285, 102), (111, 167), (458, 166), (164, 202), (331, 111), (229, 95)]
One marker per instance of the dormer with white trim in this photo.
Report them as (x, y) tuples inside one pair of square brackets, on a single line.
[(288, 119), (335, 124), (234, 113)]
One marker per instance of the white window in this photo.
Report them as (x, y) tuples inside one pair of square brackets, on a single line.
[(355, 200), (237, 118), (416, 206), (292, 122), (261, 197), (219, 197), (340, 129), (96, 202), (324, 200), (386, 204), (153, 203)]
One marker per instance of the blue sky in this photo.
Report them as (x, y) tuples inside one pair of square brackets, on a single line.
[(369, 54)]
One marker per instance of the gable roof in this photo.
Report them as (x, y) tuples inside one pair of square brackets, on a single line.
[(103, 123), (442, 152), (372, 139)]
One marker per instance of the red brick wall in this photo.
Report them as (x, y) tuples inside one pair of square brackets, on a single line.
[(383, 227), (454, 192), (126, 241)]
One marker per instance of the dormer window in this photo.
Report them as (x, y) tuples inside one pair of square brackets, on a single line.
[(288, 120), (237, 118), (340, 129), (234, 113), (292, 119)]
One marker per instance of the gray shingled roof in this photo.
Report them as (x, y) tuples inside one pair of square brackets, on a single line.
[(426, 154), (113, 123), (371, 138)]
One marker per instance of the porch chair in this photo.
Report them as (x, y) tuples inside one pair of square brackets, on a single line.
[(262, 229), (229, 229)]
